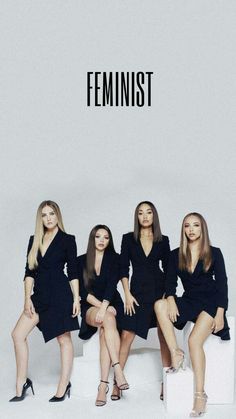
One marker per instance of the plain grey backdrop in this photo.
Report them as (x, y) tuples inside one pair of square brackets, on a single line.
[(98, 163)]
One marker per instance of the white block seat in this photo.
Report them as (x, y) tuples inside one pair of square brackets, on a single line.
[(178, 391), (220, 364)]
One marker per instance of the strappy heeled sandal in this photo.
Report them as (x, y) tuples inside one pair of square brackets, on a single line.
[(180, 364), (100, 403), (198, 413), (115, 397), (123, 386)]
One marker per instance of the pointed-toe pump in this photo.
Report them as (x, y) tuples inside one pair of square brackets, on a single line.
[(60, 399), (28, 384)]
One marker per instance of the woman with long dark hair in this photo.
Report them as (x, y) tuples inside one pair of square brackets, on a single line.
[(101, 304), (145, 248), (54, 304), (201, 269)]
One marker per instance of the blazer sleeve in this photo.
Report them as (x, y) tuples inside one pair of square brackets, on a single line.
[(165, 255), (171, 277), (71, 254), (221, 280), (82, 290), (28, 271), (113, 279), (124, 258)]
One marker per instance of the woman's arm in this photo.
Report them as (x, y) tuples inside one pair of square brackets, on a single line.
[(72, 273), (222, 290), (28, 304)]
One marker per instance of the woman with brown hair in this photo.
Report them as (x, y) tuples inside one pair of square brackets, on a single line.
[(54, 304), (201, 269), (144, 248), (101, 304)]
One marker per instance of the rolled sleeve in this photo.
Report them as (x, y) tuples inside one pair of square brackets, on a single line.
[(171, 277), (124, 258), (71, 258), (29, 272), (221, 280), (82, 290)]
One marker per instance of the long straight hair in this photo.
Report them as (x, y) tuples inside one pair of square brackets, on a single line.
[(40, 231), (156, 229), (89, 270), (205, 250)]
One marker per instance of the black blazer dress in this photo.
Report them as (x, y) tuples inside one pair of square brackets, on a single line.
[(203, 291), (104, 287), (147, 283), (52, 296)]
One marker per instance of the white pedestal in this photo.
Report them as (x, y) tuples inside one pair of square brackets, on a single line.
[(220, 363), (178, 391)]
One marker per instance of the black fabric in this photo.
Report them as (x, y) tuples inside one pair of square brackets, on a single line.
[(104, 286), (203, 291), (52, 296), (147, 283)]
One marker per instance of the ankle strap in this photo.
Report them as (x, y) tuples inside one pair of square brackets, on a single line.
[(116, 363), (106, 382)]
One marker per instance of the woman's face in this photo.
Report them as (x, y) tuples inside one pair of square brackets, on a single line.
[(49, 217), (192, 228), (101, 239), (145, 215)]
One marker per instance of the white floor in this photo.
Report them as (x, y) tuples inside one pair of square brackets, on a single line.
[(136, 403)]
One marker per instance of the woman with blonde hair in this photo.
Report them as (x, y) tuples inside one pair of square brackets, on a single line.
[(201, 269), (54, 305)]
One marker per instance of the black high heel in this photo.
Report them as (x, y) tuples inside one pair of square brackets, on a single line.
[(123, 386), (162, 393), (60, 399), (100, 403), (115, 397), (25, 387)]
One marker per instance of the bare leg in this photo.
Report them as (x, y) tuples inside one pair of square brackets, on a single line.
[(199, 334), (105, 363), (19, 335), (127, 338), (112, 339), (67, 355), (167, 328), (165, 353)]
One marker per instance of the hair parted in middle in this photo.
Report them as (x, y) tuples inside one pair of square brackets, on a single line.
[(204, 252), (89, 271), (156, 229), (40, 231)]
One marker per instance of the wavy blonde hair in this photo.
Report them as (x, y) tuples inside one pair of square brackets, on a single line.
[(40, 231), (205, 250)]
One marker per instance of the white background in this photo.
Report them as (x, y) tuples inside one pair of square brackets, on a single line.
[(98, 163)]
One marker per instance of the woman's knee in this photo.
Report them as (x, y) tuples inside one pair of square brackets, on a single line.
[(64, 339), (194, 343), (109, 320), (17, 336), (160, 306), (127, 337)]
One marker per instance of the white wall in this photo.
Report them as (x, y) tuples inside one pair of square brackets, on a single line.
[(98, 163)]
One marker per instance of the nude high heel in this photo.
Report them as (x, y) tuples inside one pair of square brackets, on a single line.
[(180, 364), (198, 413)]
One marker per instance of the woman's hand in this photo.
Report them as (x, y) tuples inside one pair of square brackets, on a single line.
[(76, 308), (29, 309), (101, 314), (129, 304), (172, 309), (112, 310), (218, 321)]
